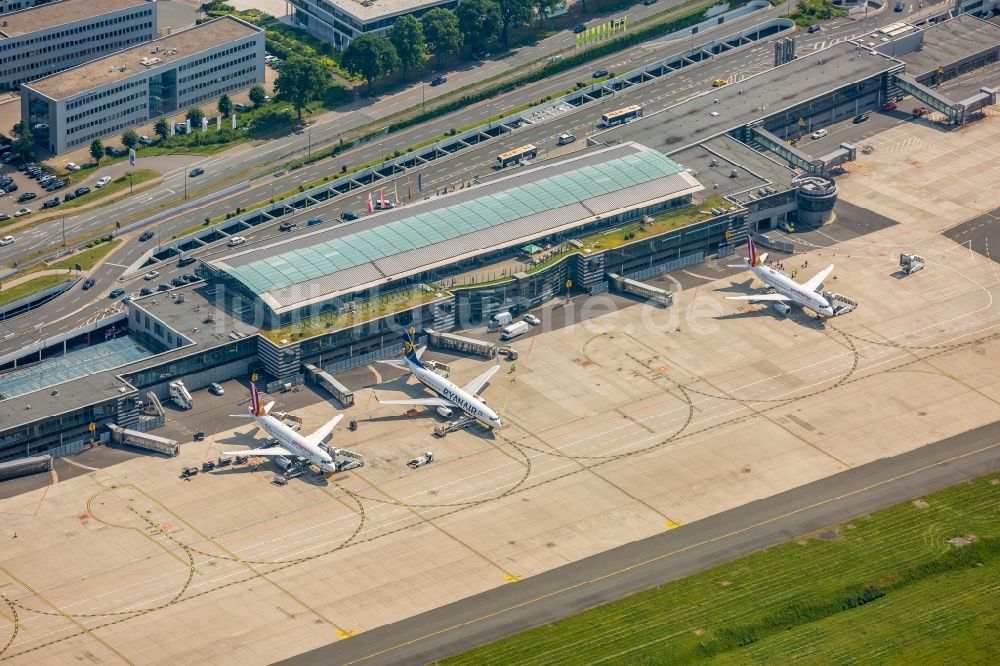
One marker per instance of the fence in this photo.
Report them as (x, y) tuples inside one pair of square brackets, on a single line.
[(68, 448), (145, 425), (771, 244), (279, 385), (726, 250), (660, 269)]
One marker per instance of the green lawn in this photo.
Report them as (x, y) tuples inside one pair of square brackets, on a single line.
[(885, 588), (119, 184), (86, 258), (17, 292)]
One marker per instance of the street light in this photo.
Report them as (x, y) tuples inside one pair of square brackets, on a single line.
[(310, 137), (381, 147), (423, 97)]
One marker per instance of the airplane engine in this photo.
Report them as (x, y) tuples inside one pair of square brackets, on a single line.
[(781, 307), (445, 412)]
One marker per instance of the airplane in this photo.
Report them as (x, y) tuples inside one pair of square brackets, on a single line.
[(806, 294), (449, 395), (290, 443)]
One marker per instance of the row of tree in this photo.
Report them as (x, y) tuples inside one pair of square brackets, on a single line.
[(439, 33)]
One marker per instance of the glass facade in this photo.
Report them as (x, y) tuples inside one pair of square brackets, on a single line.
[(162, 94), (210, 358)]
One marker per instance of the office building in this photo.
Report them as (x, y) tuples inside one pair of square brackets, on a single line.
[(340, 21)]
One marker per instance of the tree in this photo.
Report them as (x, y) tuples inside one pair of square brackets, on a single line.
[(513, 14), (23, 144), (161, 128), (258, 95), (545, 9), (371, 57), (130, 139), (479, 22), (441, 32), (195, 116), (300, 81), (407, 36), (226, 106), (96, 150)]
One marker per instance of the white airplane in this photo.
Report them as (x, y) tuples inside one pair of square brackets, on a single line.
[(450, 396), (290, 443), (787, 290)]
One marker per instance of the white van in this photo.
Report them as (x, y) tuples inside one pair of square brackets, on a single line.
[(500, 320), (513, 330)]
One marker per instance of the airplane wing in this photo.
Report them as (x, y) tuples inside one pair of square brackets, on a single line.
[(426, 402), (813, 283), (477, 384), (759, 297), (397, 362), (265, 451), (318, 436)]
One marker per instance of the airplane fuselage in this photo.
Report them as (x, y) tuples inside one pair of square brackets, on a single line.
[(468, 403), (790, 289), (295, 443)]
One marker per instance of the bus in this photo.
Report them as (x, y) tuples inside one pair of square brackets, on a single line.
[(515, 156), (626, 115)]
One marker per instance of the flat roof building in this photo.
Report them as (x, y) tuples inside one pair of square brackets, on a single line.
[(7, 6), (39, 41), (137, 85), (340, 21)]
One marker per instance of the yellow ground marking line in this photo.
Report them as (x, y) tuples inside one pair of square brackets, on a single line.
[(16, 623), (185, 563), (64, 615), (508, 576), (341, 631), (676, 551)]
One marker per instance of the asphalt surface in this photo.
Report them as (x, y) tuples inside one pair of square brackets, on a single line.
[(691, 548)]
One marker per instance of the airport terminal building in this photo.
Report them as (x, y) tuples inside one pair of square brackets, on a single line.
[(38, 41), (139, 84)]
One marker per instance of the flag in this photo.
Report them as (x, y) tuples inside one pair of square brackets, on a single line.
[(420, 182), (371, 206), (409, 190), (381, 198), (131, 156), (625, 22), (395, 193)]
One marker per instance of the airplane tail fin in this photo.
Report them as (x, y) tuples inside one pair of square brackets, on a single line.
[(256, 409), (753, 258), (410, 347)]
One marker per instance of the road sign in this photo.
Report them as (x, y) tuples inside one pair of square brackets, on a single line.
[(253, 377), (92, 427), (569, 284)]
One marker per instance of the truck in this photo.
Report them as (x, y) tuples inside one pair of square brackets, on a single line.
[(499, 320), (511, 331), (180, 395)]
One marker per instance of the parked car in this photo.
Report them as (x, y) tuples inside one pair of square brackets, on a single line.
[(649, 2), (51, 203), (4, 217), (598, 73), (88, 283), (80, 191), (860, 118), (889, 106), (11, 187), (145, 140), (819, 134), (73, 166), (347, 216), (191, 277), (113, 152), (26, 196), (197, 171), (104, 180), (127, 298), (532, 319), (236, 240), (177, 282), (813, 28), (163, 287), (580, 27), (313, 221), (21, 212), (145, 236), (116, 293), (145, 291), (6, 240), (241, 107), (482, 55), (151, 275), (438, 80), (899, 7), (216, 389), (69, 196), (185, 261), (565, 139), (287, 226)]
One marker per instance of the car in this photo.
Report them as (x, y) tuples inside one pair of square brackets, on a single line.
[(104, 180), (197, 171), (267, 98), (145, 140), (598, 73), (51, 203), (26, 196), (313, 221), (163, 287), (185, 261), (11, 157), (649, 2), (113, 152), (239, 106), (236, 240), (860, 118), (191, 277), (6, 240), (438, 80), (145, 236), (819, 134), (55, 185), (12, 187), (127, 298), (21, 212), (889, 106), (532, 319), (4, 217), (348, 216), (899, 6), (719, 82), (565, 139), (177, 282), (88, 283), (73, 166), (151, 275), (216, 389), (145, 291), (80, 191), (813, 28), (482, 55), (580, 27), (47, 178), (180, 128), (287, 226), (116, 293), (69, 196)]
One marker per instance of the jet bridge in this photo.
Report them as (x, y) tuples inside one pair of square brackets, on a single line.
[(786, 151), (930, 97)]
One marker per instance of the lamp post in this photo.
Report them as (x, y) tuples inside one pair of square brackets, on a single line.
[(423, 97), (64, 230), (309, 150), (381, 148)]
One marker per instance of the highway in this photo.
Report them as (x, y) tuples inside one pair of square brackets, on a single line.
[(458, 168), (681, 552)]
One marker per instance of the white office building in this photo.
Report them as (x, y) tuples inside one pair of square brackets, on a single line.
[(15, 5), (340, 21), (132, 87), (49, 38)]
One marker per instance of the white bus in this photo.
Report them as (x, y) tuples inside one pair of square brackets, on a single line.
[(515, 156), (628, 114)]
